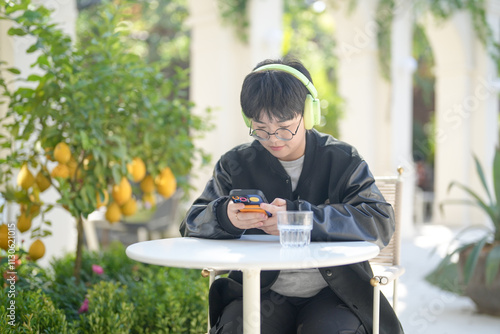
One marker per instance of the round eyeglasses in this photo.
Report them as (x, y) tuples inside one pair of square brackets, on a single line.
[(281, 133)]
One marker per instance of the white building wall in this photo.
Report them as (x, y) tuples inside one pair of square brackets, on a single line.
[(377, 116), (402, 67), (366, 120), (219, 63), (466, 114)]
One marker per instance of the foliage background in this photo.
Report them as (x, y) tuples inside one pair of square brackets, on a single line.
[(128, 297)]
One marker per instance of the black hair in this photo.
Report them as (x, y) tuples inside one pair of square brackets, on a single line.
[(274, 93)]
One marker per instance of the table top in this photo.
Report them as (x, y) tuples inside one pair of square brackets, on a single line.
[(262, 252)]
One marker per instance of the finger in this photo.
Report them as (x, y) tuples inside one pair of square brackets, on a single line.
[(251, 219), (270, 230), (278, 202), (234, 207), (252, 216)]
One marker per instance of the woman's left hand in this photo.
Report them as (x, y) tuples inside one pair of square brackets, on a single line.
[(271, 224)]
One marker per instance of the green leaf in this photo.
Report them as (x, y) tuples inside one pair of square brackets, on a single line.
[(32, 48), (496, 185), (116, 174), (43, 60), (85, 140), (34, 77), (471, 262), (479, 201), (16, 32), (13, 70), (492, 264), (480, 173), (45, 233)]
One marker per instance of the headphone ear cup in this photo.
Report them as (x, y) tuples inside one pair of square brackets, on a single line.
[(309, 112), (248, 122)]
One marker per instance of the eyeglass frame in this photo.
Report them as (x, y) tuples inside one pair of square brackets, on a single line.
[(250, 131)]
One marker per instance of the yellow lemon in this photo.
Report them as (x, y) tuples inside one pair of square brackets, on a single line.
[(25, 179), (42, 181), (24, 222), (60, 170), (166, 183), (62, 153), (105, 200), (129, 208), (113, 213), (37, 250), (122, 192), (137, 169), (4, 236), (149, 198), (148, 184)]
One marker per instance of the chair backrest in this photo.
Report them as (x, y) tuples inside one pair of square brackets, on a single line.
[(391, 189), (166, 212)]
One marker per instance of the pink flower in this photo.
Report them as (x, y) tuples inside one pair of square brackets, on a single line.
[(97, 269), (85, 306)]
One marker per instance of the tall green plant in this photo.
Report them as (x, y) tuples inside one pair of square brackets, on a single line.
[(104, 101), (491, 207), (491, 204), (308, 36)]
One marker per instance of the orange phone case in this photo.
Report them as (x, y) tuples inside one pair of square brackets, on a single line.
[(251, 198)]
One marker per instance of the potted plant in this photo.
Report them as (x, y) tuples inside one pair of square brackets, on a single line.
[(96, 122), (477, 272)]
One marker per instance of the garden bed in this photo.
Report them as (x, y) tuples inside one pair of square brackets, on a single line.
[(115, 295)]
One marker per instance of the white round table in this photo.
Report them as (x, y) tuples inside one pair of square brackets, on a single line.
[(250, 254)]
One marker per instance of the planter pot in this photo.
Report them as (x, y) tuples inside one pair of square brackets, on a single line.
[(486, 297)]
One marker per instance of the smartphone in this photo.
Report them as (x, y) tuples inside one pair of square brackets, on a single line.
[(251, 198)]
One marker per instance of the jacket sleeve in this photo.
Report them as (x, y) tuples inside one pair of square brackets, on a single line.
[(207, 217), (361, 213)]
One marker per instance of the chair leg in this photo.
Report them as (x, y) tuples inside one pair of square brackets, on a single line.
[(142, 234), (211, 280), (395, 295), (376, 308)]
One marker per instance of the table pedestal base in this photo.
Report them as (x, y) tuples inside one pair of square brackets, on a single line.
[(251, 301)]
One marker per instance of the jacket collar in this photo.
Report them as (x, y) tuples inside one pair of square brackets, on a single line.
[(310, 154)]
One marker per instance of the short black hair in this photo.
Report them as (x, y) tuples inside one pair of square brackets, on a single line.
[(274, 93)]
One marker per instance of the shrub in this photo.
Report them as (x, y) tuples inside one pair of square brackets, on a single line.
[(127, 297), (34, 313), (110, 310)]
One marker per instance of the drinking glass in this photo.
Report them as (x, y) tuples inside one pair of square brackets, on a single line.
[(295, 228)]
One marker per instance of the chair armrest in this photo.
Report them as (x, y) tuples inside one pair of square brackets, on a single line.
[(206, 272), (385, 274)]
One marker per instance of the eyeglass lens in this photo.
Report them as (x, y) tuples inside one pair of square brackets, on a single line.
[(281, 134)]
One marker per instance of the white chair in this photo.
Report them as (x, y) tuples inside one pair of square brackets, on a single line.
[(160, 221), (386, 266)]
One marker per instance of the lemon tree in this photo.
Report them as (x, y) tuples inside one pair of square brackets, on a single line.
[(95, 122)]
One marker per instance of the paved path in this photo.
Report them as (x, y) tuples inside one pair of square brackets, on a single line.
[(426, 309)]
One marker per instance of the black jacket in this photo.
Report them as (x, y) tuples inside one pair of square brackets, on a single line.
[(335, 183)]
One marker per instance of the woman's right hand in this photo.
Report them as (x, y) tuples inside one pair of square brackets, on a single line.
[(244, 220)]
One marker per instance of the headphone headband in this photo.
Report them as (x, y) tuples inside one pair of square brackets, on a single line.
[(290, 70), (312, 108)]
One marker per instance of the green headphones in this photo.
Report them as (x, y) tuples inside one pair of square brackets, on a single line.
[(312, 110)]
